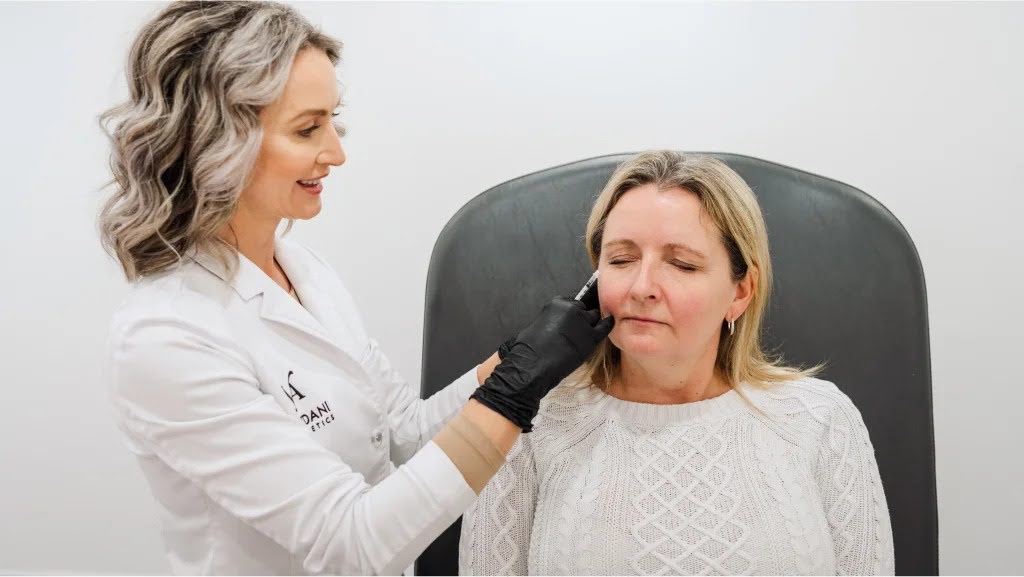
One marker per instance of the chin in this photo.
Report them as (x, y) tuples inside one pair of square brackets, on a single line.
[(307, 212), (638, 345)]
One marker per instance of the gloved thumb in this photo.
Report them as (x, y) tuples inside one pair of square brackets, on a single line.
[(603, 327), (592, 300)]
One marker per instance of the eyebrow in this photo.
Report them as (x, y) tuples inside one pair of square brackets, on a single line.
[(313, 112), (672, 245)]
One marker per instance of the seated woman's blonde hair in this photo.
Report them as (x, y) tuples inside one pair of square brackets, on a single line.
[(733, 209)]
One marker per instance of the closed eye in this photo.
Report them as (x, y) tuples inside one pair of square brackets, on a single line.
[(683, 266), (338, 127)]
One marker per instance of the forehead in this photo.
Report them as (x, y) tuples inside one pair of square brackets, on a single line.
[(648, 215), (311, 84)]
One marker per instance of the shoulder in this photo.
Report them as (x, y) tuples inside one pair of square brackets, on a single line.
[(163, 366), (169, 326), (811, 409), (188, 297), (569, 400), (810, 396), (573, 408)]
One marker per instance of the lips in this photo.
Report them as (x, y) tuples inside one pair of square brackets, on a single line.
[(311, 186), (643, 320), (313, 181)]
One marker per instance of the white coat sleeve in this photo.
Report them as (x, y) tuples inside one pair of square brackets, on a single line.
[(190, 396), (414, 421)]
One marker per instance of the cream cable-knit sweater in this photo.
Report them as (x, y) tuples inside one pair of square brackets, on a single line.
[(605, 486)]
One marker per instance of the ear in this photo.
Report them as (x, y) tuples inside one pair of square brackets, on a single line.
[(744, 293)]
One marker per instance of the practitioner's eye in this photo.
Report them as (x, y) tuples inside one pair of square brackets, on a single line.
[(308, 131)]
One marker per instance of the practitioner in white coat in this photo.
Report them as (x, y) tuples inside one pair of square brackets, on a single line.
[(274, 433)]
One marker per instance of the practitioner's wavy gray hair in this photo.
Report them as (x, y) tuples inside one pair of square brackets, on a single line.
[(186, 140)]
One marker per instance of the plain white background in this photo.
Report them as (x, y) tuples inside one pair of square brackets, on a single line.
[(917, 104)]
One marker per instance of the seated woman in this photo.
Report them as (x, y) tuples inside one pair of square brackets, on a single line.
[(681, 447)]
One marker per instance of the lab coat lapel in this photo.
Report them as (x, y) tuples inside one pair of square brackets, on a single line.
[(276, 305), (316, 317), (317, 302)]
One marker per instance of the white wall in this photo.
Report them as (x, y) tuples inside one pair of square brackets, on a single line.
[(917, 104)]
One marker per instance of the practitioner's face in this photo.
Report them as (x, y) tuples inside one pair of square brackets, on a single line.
[(299, 143), (666, 277)]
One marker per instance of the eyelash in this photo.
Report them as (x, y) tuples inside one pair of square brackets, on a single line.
[(308, 132), (684, 266), (680, 265)]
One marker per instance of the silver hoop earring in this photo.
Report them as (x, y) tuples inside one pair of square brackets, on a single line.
[(732, 326)]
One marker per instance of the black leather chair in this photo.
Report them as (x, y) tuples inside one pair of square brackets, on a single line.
[(849, 290)]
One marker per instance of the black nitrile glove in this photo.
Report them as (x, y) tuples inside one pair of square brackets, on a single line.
[(591, 300), (558, 341)]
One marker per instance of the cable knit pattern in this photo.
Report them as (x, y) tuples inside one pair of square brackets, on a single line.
[(605, 486), (794, 505), (683, 476), (496, 540), (577, 513)]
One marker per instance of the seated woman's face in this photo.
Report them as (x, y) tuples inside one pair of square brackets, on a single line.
[(665, 276)]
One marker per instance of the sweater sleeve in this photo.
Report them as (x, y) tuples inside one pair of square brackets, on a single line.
[(854, 499), (495, 537)]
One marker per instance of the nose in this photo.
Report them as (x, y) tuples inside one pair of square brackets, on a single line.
[(645, 285), (333, 153)]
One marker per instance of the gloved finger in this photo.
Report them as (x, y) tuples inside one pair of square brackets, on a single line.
[(569, 300), (592, 316), (591, 300), (603, 327), (504, 348)]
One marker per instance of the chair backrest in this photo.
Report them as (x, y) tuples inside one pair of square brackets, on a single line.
[(848, 290)]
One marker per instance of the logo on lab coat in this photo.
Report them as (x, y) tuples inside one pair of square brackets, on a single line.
[(315, 417)]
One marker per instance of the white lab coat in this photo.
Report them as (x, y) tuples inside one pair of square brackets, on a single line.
[(267, 429)]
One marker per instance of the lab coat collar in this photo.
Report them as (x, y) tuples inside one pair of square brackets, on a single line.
[(312, 281), (248, 281), (277, 305), (317, 316)]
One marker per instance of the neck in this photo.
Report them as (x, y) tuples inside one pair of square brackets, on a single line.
[(254, 238), (672, 382)]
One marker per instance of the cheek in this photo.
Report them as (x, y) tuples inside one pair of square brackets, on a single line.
[(699, 306), (283, 161), (612, 292), (687, 308), (684, 301)]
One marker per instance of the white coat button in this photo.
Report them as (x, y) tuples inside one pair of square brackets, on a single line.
[(377, 438)]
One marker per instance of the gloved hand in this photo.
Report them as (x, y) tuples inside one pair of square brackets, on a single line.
[(591, 300), (558, 341)]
